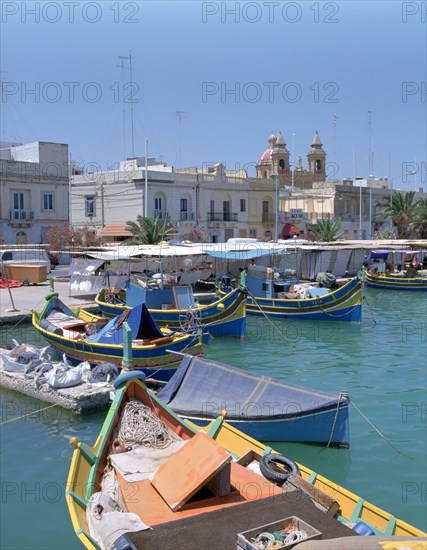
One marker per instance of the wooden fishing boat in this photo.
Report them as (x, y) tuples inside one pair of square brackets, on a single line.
[(395, 282), (262, 407), (176, 307), (86, 337), (152, 480), (270, 296)]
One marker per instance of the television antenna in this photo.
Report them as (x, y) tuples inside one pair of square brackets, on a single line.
[(129, 58), (180, 115)]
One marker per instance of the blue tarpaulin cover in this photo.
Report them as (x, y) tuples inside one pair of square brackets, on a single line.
[(204, 387), (140, 321), (245, 254)]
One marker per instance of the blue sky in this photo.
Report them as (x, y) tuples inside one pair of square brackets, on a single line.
[(238, 70)]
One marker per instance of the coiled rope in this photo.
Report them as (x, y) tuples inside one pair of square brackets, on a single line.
[(139, 425)]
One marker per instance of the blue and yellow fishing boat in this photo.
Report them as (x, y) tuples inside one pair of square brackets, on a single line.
[(86, 337), (394, 282), (176, 307), (152, 480), (268, 296)]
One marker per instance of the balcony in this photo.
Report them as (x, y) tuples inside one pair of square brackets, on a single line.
[(161, 214), (21, 216), (222, 217), (185, 216)]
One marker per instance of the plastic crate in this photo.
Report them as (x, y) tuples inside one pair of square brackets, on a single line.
[(244, 539)]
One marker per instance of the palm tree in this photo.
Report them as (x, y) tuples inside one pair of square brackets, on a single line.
[(147, 230), (419, 220), (401, 210), (327, 230)]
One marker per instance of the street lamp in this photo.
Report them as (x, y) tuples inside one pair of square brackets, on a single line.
[(277, 208), (293, 164)]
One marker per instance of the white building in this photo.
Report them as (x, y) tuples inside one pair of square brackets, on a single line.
[(210, 200), (34, 185)]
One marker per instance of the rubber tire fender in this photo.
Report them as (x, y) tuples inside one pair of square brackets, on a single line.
[(126, 376), (272, 475)]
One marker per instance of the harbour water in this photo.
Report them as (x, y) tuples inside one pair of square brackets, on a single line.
[(382, 363)]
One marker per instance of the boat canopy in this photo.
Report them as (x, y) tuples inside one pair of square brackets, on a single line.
[(245, 254), (204, 387), (140, 321)]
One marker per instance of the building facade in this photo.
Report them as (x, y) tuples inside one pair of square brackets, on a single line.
[(211, 202), (34, 181)]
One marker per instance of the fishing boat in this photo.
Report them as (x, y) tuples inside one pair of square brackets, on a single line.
[(82, 336), (291, 299), (262, 407), (407, 280), (176, 306), (152, 480)]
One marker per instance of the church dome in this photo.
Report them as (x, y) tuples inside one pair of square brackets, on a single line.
[(266, 157)]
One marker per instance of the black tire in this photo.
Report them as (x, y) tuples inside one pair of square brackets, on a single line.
[(25, 283), (273, 475)]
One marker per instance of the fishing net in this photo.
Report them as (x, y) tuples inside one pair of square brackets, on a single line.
[(139, 425)]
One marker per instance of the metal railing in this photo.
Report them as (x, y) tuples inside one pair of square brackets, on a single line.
[(21, 215), (222, 217)]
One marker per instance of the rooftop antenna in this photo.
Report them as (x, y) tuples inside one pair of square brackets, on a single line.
[(180, 115), (3, 130), (122, 59), (370, 153), (334, 122), (129, 58)]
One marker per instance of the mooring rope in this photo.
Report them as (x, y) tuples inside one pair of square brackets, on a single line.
[(138, 424), (342, 394), (378, 431), (29, 414), (370, 310), (269, 320)]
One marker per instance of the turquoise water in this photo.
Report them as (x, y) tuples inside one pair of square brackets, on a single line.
[(382, 363)]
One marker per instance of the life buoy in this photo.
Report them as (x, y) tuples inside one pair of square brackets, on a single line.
[(272, 474), (126, 376)]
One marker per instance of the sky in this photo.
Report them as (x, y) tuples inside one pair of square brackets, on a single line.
[(209, 81)]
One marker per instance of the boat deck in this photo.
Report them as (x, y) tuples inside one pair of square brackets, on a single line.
[(218, 529)]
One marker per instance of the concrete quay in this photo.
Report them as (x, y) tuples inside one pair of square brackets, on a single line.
[(16, 306)]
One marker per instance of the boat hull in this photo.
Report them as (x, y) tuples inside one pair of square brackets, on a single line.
[(154, 357), (226, 316), (382, 280), (88, 462), (342, 304), (320, 427)]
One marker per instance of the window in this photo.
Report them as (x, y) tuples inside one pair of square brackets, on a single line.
[(47, 201), (242, 205), (18, 201), (157, 203), (212, 206), (281, 164), (252, 233), (90, 205), (265, 207), (183, 205)]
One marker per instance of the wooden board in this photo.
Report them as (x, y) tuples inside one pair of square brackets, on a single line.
[(189, 469)]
